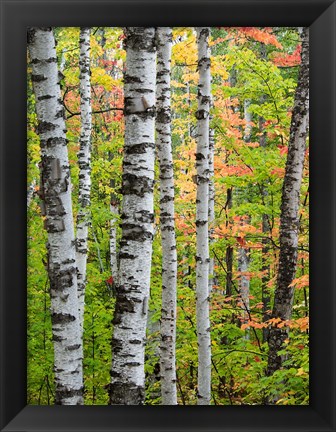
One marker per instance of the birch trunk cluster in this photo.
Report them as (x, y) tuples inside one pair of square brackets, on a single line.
[(148, 132), (55, 194), (129, 333), (202, 214), (289, 218), (167, 216)]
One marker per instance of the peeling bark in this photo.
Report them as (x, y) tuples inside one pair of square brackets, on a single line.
[(202, 209), (56, 194), (289, 218), (167, 215), (129, 334)]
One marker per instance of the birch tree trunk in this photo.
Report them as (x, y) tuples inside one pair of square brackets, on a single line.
[(129, 333), (202, 208), (248, 121), (84, 162), (114, 203), (244, 285), (56, 193), (243, 258), (167, 216), (114, 209), (211, 205), (289, 218)]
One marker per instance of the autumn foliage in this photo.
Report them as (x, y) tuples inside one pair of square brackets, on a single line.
[(247, 63)]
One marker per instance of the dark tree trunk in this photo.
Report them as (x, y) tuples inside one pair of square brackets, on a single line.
[(289, 219), (229, 250)]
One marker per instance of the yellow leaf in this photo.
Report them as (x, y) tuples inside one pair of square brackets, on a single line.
[(301, 372), (177, 84)]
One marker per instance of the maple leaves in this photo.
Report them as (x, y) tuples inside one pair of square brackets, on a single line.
[(300, 282), (302, 324), (264, 35), (288, 60), (235, 170)]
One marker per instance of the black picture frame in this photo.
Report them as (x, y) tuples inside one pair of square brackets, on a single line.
[(16, 16)]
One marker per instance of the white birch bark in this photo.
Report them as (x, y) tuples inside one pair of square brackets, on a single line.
[(211, 205), (248, 121), (167, 215), (84, 162), (114, 209), (202, 208), (129, 333), (56, 192), (244, 286), (243, 258), (289, 218)]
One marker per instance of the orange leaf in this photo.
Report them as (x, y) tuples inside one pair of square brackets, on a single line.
[(300, 282)]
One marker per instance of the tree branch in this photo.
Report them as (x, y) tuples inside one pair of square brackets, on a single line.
[(93, 112)]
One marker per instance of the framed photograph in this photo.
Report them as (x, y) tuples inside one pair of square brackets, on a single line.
[(119, 311)]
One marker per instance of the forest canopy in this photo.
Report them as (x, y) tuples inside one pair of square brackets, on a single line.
[(168, 216)]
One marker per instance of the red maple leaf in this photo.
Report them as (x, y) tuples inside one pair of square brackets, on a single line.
[(241, 241), (109, 280)]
